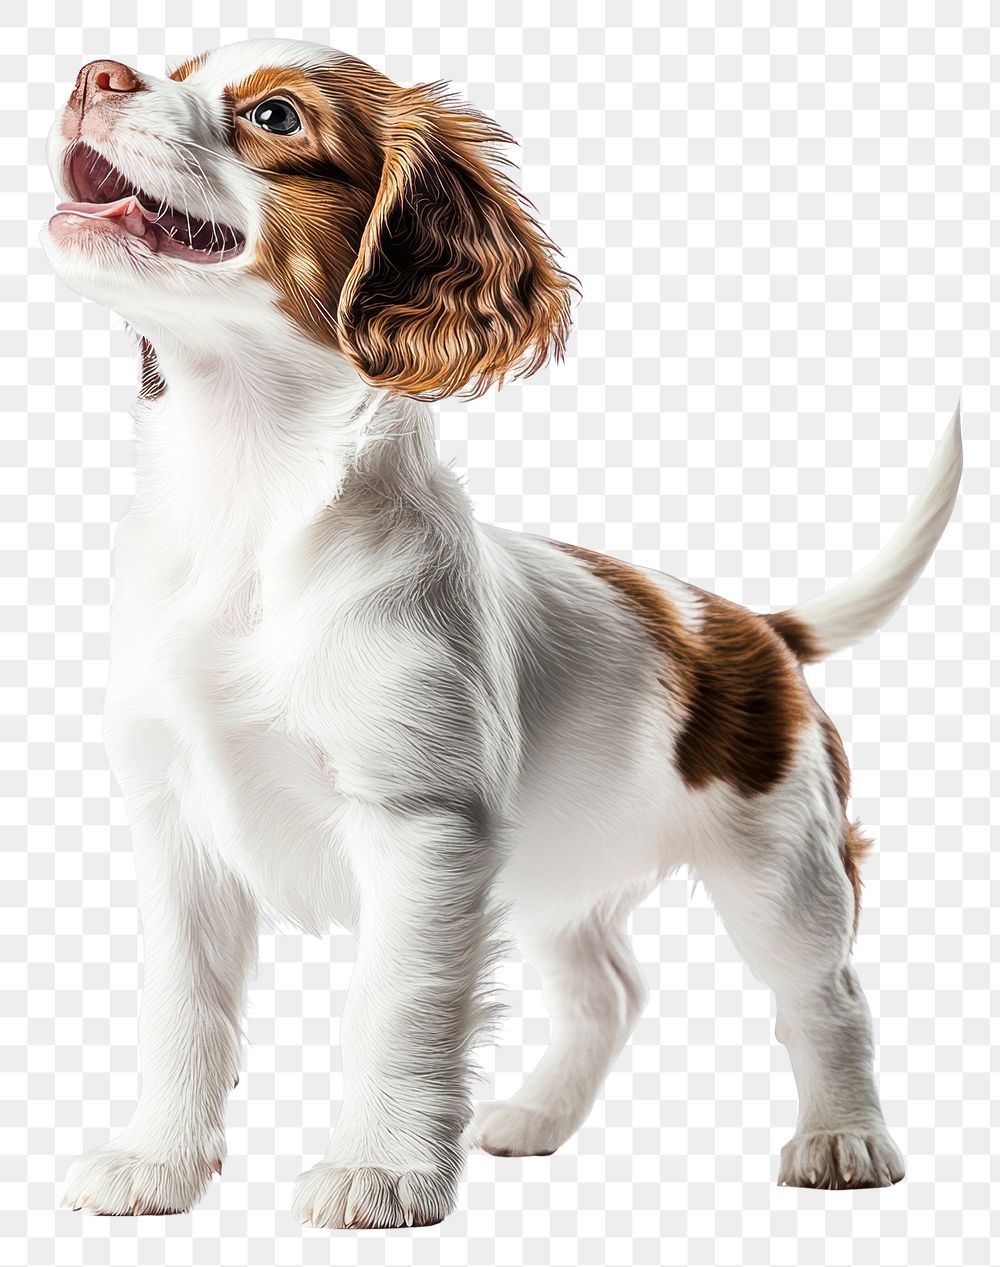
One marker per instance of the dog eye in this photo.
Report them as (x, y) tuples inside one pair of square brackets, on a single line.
[(275, 115)]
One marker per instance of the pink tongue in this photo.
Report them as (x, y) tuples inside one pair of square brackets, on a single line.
[(133, 215)]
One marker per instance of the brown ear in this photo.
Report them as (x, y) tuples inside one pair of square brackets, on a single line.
[(455, 285)]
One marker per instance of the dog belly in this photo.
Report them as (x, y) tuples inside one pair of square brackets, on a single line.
[(592, 830)]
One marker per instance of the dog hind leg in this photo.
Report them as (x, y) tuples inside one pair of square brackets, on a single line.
[(789, 908), (595, 992)]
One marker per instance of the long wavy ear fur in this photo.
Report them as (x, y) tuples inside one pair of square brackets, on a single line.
[(455, 285)]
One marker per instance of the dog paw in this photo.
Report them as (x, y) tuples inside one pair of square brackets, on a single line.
[(513, 1130), (328, 1195), (841, 1159), (116, 1179)]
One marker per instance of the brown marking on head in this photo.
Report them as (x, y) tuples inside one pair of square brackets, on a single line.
[(743, 698), (339, 104), (322, 181), (797, 635), (151, 382), (391, 233), (181, 72)]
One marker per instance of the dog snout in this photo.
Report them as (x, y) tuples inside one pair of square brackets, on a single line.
[(100, 88), (101, 79)]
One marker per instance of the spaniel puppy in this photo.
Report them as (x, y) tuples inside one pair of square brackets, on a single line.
[(335, 697)]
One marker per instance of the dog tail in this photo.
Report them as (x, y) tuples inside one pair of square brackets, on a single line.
[(857, 607)]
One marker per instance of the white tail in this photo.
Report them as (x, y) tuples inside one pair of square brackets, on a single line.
[(859, 606)]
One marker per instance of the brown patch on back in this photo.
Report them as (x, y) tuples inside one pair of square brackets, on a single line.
[(647, 601), (797, 636), (742, 694), (749, 703), (743, 697)]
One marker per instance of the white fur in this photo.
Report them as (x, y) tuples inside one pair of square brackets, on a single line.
[(336, 698), (857, 607)]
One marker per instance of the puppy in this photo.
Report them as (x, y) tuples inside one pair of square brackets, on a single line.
[(335, 697)]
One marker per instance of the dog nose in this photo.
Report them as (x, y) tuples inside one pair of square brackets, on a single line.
[(101, 77)]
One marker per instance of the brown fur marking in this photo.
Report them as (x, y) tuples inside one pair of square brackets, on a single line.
[(743, 697), (854, 845), (798, 637), (188, 67), (750, 703), (839, 766), (393, 234), (323, 183), (647, 601), (455, 286), (151, 381)]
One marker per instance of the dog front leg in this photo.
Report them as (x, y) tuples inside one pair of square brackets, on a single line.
[(200, 941), (414, 1007)]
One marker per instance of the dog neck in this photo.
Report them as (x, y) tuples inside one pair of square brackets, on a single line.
[(262, 442)]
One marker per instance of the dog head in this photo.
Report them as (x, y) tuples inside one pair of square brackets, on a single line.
[(283, 192)]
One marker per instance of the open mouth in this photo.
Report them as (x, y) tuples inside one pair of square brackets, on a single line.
[(105, 194)]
